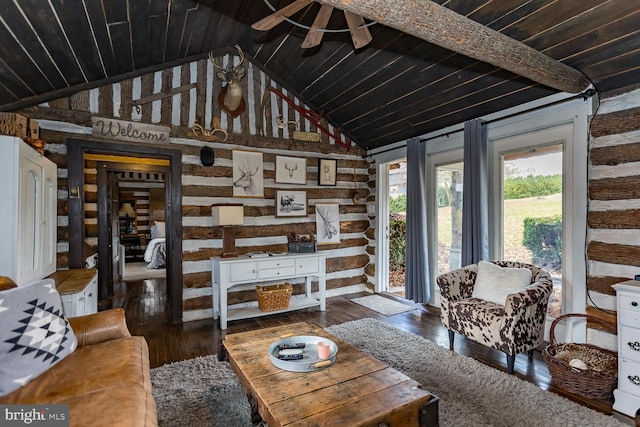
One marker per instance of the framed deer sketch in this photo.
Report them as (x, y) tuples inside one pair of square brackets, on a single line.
[(247, 174), (291, 203), (327, 171), (291, 170), (327, 223)]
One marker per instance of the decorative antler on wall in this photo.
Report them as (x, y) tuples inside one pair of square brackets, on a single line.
[(231, 99)]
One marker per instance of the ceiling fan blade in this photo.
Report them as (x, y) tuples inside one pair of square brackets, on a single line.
[(359, 33), (278, 16), (314, 37)]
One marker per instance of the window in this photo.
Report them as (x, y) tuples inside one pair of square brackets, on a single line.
[(448, 203), (543, 154), (558, 132), (531, 206)]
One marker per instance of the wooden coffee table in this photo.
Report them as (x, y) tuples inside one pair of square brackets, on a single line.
[(357, 390)]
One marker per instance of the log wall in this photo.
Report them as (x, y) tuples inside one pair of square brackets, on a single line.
[(613, 235), (349, 264)]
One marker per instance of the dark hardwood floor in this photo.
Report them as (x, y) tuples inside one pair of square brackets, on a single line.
[(146, 309)]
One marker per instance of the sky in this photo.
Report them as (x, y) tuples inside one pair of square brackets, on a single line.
[(544, 164)]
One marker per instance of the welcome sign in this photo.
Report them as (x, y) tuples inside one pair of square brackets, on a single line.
[(129, 131)]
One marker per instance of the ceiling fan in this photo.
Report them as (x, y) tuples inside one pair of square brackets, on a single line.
[(359, 30)]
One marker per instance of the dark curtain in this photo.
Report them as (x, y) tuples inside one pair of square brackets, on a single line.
[(417, 268), (475, 194)]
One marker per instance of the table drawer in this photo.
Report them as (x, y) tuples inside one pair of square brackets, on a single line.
[(274, 273), (243, 271), (630, 302), (629, 377), (282, 262), (630, 343), (307, 266), (629, 317)]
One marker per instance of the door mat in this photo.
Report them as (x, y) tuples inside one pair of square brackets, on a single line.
[(382, 305)]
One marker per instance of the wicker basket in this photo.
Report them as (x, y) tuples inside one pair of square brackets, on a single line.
[(601, 375), (274, 297)]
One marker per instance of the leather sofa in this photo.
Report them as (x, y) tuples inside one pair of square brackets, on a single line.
[(105, 381)]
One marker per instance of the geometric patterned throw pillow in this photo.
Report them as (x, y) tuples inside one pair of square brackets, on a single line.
[(34, 334)]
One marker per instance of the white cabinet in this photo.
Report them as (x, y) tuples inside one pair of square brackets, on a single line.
[(243, 273), (627, 395), (78, 290), (28, 208)]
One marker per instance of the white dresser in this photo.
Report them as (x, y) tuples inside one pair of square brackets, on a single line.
[(627, 395), (244, 273)]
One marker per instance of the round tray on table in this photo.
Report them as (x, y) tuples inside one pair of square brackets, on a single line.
[(310, 361)]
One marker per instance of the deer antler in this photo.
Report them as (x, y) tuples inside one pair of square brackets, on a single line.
[(214, 62), (241, 54), (282, 124)]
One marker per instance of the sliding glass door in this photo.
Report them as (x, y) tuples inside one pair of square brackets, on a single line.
[(448, 200), (529, 202)]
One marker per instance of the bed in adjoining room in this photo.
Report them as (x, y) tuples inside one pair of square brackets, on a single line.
[(156, 252)]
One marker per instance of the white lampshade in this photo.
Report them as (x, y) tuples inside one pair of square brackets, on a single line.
[(227, 214)]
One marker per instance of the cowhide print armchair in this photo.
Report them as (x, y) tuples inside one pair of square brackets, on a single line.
[(515, 327)]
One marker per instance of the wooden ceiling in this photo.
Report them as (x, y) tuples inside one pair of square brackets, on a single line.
[(396, 87)]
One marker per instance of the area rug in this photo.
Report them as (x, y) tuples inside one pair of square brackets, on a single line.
[(382, 305), (205, 392), (199, 392)]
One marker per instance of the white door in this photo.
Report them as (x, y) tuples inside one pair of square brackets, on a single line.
[(530, 198), (29, 219), (444, 184), (49, 218)]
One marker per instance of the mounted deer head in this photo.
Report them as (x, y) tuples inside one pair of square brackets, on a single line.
[(231, 99)]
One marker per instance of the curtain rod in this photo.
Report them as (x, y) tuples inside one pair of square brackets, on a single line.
[(584, 95)]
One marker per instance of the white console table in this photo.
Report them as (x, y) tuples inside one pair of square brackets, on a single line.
[(243, 273), (627, 395)]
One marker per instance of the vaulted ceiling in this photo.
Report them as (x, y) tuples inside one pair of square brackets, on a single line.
[(397, 86)]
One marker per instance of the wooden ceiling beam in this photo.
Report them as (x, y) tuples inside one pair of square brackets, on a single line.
[(443, 27)]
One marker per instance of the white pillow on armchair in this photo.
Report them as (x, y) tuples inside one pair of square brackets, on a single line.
[(495, 283)]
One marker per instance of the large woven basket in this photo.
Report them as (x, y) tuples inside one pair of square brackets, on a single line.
[(274, 297), (601, 375)]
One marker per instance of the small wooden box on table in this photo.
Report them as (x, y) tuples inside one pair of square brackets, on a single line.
[(357, 390)]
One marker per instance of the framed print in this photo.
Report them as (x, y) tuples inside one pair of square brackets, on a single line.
[(291, 203), (291, 170), (327, 171), (327, 223), (247, 174)]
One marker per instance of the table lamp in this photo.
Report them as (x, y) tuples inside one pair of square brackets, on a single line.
[(228, 216), (127, 209)]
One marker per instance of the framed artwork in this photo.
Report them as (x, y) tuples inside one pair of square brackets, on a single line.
[(291, 170), (291, 203), (247, 174), (328, 223), (327, 171)]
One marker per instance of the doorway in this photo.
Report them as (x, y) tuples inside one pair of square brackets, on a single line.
[(76, 150), (135, 210), (397, 226)]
